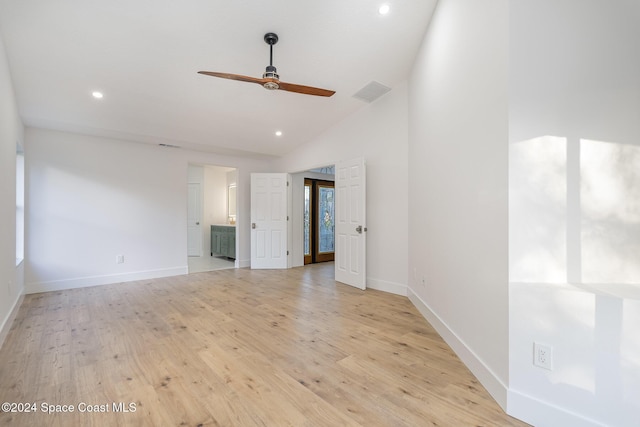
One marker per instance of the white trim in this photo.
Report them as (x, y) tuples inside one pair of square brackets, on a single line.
[(83, 282), (496, 388), (386, 286), (18, 289), (9, 318), (243, 263), (544, 414)]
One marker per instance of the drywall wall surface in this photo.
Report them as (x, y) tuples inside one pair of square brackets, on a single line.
[(11, 134), (574, 89), (92, 199), (458, 184)]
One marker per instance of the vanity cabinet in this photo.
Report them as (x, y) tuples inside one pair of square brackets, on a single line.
[(223, 240)]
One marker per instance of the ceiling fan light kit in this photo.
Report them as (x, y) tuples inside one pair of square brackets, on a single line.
[(270, 79)]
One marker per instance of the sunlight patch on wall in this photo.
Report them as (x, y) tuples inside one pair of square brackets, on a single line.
[(610, 204), (574, 310), (630, 348), (537, 210)]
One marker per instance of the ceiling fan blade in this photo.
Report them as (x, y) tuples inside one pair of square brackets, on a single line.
[(307, 90), (233, 77), (289, 87)]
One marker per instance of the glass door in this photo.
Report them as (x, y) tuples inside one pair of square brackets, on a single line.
[(319, 221), (325, 221), (308, 237)]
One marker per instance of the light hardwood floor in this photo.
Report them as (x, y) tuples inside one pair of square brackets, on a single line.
[(236, 348), (199, 264)]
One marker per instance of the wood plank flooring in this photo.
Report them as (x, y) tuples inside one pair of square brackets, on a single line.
[(235, 348)]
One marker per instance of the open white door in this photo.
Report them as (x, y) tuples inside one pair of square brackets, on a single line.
[(351, 241), (194, 229), (269, 220)]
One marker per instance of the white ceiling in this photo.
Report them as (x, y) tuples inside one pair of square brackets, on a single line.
[(144, 55)]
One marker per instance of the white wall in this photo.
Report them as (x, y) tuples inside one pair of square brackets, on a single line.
[(458, 183), (91, 199), (11, 133), (575, 211), (215, 198), (377, 132)]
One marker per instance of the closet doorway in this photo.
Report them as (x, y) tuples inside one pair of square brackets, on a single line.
[(319, 221)]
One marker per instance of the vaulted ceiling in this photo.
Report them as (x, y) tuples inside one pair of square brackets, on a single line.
[(144, 55)]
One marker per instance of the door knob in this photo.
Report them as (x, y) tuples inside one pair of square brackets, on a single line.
[(253, 225), (359, 229), (197, 223)]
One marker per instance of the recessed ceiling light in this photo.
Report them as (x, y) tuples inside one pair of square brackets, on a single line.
[(384, 9), (97, 95), (278, 133)]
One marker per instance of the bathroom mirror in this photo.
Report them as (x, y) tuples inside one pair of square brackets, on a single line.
[(232, 202)]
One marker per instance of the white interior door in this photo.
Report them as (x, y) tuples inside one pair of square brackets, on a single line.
[(194, 228), (269, 220), (351, 236)]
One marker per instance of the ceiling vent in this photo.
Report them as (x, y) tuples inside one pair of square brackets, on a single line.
[(371, 92)]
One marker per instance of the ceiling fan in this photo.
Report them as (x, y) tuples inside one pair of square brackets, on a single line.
[(270, 79)]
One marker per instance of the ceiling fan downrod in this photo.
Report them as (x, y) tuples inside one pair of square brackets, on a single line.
[(271, 72)]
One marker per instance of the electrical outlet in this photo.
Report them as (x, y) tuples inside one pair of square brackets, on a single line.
[(542, 355)]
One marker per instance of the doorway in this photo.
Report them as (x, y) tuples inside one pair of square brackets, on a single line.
[(215, 187), (349, 232), (319, 221)]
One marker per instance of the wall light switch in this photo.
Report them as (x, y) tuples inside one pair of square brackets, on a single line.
[(119, 259)]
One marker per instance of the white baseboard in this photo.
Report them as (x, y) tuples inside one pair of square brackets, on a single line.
[(383, 285), (543, 414), (243, 263), (83, 282), (496, 388), (16, 289), (9, 318), (516, 404)]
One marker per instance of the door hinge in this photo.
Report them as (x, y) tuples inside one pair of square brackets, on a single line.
[(287, 217), (287, 183), (287, 252)]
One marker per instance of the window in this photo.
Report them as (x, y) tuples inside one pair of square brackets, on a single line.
[(19, 203), (307, 221)]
